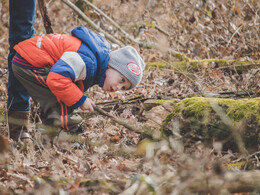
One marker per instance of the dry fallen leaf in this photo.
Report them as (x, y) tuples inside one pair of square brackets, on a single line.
[(4, 144), (115, 139)]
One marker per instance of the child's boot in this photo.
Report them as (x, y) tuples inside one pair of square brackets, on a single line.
[(18, 122)]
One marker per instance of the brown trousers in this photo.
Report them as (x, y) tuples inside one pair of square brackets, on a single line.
[(53, 112)]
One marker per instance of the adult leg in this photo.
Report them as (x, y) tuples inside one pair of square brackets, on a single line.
[(22, 14)]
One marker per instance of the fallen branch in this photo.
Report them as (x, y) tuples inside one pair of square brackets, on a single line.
[(91, 23), (161, 30), (240, 94), (126, 36), (188, 63), (108, 105), (117, 120)]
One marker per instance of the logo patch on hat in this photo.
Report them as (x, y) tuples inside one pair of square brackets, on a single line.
[(134, 68)]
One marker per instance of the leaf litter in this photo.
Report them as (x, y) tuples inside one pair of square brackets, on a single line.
[(116, 160)]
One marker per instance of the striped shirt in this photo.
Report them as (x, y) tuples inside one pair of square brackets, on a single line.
[(20, 61)]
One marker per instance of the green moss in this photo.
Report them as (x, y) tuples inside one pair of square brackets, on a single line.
[(237, 110), (238, 165), (198, 120), (182, 65), (63, 182), (196, 106), (242, 109), (177, 108), (169, 117), (156, 64), (181, 56), (149, 24), (160, 102), (152, 103), (165, 122)]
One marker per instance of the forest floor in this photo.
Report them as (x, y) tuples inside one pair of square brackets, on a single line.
[(114, 160)]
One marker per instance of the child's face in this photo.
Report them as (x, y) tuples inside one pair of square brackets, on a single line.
[(115, 81)]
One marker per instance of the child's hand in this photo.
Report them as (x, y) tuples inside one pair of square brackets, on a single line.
[(88, 105)]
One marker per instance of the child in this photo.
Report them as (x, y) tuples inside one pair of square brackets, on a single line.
[(56, 69)]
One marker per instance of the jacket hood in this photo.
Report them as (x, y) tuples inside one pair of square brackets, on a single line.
[(96, 43)]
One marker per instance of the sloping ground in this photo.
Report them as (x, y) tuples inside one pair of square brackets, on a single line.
[(114, 160)]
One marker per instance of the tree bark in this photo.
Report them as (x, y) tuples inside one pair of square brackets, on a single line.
[(45, 17)]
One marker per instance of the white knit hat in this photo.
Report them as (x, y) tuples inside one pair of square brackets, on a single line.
[(128, 62)]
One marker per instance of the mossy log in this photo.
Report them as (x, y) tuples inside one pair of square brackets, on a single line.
[(206, 63), (213, 119)]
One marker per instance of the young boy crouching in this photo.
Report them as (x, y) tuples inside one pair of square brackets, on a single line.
[(56, 69)]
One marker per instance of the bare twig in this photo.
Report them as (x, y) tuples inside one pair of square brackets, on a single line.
[(91, 23), (128, 101), (117, 120), (161, 30), (125, 34), (237, 30)]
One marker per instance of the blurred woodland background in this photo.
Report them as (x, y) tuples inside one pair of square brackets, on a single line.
[(190, 127)]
